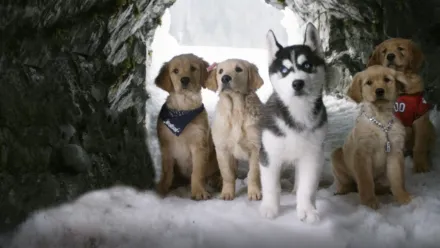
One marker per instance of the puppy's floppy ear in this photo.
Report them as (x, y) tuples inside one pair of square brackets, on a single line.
[(211, 81), (401, 82), (355, 89), (203, 72), (417, 57), (375, 57), (163, 79), (255, 80)]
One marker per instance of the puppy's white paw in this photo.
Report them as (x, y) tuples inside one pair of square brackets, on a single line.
[(308, 215), (268, 210)]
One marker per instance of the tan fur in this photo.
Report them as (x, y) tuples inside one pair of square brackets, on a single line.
[(193, 151), (235, 127), (362, 163), (409, 59), (408, 56)]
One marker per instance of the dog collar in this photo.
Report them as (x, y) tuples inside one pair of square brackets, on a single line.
[(177, 120), (384, 128)]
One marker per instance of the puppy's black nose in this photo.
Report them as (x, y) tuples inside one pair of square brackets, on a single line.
[(184, 81), (380, 92), (391, 56), (226, 79), (298, 85)]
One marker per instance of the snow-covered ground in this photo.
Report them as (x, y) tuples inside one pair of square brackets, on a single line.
[(123, 217)]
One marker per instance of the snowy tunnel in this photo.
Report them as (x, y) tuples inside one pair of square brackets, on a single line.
[(78, 113)]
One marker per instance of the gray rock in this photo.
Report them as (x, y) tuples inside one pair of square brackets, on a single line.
[(72, 100), (76, 158)]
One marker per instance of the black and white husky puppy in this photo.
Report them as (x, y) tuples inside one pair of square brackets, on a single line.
[(294, 123)]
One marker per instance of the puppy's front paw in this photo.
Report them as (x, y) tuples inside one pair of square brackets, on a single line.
[(371, 203), (162, 189), (269, 210), (308, 215), (254, 193), (227, 195), (228, 191), (403, 198), (421, 166), (200, 194), (344, 189)]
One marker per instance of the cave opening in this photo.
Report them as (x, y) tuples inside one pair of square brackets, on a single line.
[(76, 96), (215, 31)]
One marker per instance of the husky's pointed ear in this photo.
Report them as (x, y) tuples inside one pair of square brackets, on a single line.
[(312, 39), (272, 44), (355, 89)]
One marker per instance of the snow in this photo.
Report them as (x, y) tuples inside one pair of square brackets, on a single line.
[(221, 23), (123, 217)]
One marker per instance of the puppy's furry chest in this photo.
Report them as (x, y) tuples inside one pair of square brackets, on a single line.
[(179, 147), (182, 154), (295, 144), (373, 140), (292, 130), (231, 128)]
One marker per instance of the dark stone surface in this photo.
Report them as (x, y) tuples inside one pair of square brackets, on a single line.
[(72, 100)]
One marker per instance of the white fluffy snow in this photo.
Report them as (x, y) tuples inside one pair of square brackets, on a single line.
[(123, 217)]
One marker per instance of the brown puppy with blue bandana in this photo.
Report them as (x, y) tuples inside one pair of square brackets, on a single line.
[(183, 127)]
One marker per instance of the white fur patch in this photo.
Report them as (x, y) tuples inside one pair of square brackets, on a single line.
[(287, 63), (306, 150), (301, 59)]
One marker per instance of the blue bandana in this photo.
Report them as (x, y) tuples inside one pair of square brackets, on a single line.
[(177, 120)]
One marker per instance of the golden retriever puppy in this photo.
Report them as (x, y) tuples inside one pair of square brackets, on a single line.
[(235, 127), (410, 108), (371, 160), (183, 127)]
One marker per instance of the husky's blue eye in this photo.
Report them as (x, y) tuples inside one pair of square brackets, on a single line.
[(284, 70)]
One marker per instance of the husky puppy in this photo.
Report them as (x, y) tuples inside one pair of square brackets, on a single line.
[(294, 123)]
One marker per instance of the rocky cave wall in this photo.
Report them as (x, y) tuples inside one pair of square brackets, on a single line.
[(72, 77), (72, 99)]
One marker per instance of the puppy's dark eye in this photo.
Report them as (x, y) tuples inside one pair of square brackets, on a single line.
[(307, 65), (387, 80), (284, 70), (176, 70), (238, 69), (220, 71), (384, 51), (369, 82), (192, 68), (400, 49)]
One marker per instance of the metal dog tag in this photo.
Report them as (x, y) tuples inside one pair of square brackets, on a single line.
[(388, 146)]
